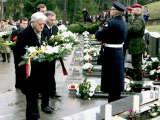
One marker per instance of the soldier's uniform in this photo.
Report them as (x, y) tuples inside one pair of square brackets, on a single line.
[(136, 44), (113, 37)]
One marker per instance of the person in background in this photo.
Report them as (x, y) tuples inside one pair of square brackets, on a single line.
[(14, 37), (113, 36), (86, 15), (41, 8), (136, 43), (146, 13), (51, 29)]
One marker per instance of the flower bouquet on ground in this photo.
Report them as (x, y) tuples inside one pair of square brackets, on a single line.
[(151, 68), (87, 68), (136, 86), (132, 115), (85, 34), (154, 111), (73, 88), (87, 58), (86, 89)]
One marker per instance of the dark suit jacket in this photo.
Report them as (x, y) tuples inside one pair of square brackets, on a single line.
[(38, 79), (47, 34)]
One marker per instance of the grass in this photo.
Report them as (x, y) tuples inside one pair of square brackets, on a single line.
[(153, 28), (154, 9)]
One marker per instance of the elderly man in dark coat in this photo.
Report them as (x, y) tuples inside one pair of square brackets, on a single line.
[(113, 36), (38, 81)]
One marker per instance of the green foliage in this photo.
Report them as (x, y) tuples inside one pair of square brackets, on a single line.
[(137, 84), (76, 28), (144, 2), (30, 6), (90, 27), (2, 45), (154, 109), (81, 27), (84, 89)]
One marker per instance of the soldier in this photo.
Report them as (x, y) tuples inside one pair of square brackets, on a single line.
[(136, 43), (113, 37)]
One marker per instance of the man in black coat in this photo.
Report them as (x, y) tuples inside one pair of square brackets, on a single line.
[(51, 29), (86, 15), (113, 36), (38, 81), (14, 37)]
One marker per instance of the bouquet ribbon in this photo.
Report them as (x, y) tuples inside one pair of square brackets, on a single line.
[(63, 67), (28, 64)]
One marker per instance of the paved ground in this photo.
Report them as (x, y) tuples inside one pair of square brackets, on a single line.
[(12, 103)]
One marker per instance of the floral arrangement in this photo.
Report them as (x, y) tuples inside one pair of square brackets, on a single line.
[(92, 51), (87, 58), (132, 115), (88, 68), (155, 110), (151, 67), (136, 86), (127, 83), (47, 53), (73, 86), (4, 42), (63, 37), (62, 28), (85, 34), (86, 89)]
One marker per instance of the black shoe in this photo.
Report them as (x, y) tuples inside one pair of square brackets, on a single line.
[(47, 109), (55, 96)]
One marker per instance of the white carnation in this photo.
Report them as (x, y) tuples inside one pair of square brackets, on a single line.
[(152, 72), (87, 57), (62, 28), (87, 66), (154, 59), (31, 50)]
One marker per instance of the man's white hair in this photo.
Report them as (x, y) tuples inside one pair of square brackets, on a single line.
[(38, 15)]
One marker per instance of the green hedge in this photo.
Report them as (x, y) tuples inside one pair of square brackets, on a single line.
[(81, 27)]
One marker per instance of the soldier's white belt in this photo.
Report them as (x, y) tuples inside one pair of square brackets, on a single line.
[(113, 45)]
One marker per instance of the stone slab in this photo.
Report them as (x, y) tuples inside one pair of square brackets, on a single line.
[(7, 75)]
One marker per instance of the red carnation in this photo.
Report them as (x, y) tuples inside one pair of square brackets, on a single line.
[(14, 38), (72, 86), (89, 71)]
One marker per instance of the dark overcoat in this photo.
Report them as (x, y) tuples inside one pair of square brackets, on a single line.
[(112, 78), (38, 79), (52, 64)]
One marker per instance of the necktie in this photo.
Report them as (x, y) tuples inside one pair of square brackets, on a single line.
[(50, 31)]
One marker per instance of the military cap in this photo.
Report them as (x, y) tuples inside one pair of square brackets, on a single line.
[(118, 6), (136, 6), (129, 8)]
